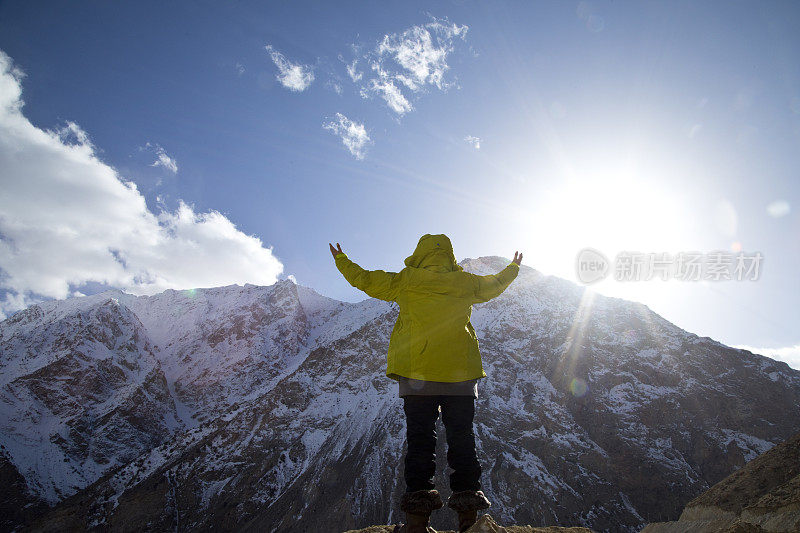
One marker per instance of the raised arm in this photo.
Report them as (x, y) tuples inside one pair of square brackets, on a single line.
[(376, 283), (493, 285)]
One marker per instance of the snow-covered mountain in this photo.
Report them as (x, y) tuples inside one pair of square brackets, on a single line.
[(267, 408)]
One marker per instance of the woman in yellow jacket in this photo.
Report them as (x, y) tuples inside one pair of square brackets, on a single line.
[(434, 356)]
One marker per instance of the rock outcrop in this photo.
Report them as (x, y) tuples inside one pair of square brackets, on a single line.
[(763, 496), (486, 524)]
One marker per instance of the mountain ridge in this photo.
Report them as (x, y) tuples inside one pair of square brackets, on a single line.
[(280, 415)]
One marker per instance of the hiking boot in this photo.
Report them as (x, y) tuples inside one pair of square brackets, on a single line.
[(418, 507), (421, 502), (467, 503)]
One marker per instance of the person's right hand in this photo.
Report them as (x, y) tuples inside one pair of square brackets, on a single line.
[(336, 251), (517, 260)]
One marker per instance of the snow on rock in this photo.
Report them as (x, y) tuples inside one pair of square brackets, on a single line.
[(268, 408)]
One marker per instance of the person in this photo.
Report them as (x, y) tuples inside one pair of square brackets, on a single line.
[(434, 357)]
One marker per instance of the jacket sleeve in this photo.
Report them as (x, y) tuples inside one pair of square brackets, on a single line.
[(488, 287), (376, 283)]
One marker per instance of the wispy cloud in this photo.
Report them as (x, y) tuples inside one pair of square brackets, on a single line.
[(474, 141), (67, 218), (352, 67), (293, 76), (421, 52), (413, 59), (335, 86), (395, 68), (71, 134), (391, 94), (788, 354), (353, 72), (354, 135), (162, 159)]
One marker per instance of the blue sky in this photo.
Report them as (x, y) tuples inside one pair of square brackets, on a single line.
[(544, 127)]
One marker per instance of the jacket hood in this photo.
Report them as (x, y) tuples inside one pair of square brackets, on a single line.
[(434, 252)]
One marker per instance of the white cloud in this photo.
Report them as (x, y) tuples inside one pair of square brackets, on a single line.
[(240, 69), (788, 354), (474, 141), (71, 134), (422, 51), (353, 72), (293, 76), (354, 135), (386, 88), (291, 278), (162, 159), (67, 218), (352, 67), (413, 59), (335, 86)]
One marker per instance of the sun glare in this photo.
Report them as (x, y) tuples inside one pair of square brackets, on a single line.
[(611, 212)]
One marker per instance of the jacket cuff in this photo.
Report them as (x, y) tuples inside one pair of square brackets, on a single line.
[(337, 256)]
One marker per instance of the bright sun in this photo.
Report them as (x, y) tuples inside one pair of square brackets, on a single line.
[(614, 212)]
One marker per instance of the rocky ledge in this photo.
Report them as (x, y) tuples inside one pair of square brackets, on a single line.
[(763, 496), (486, 524)]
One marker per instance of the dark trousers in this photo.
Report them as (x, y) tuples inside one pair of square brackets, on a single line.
[(457, 414)]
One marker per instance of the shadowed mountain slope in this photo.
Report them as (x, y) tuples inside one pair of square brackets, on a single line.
[(267, 408)]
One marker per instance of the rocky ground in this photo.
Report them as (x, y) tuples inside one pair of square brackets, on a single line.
[(486, 524), (763, 496)]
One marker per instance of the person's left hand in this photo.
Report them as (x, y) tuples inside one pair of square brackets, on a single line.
[(334, 251)]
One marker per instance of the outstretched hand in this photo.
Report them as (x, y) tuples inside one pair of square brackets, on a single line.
[(517, 260), (335, 251)]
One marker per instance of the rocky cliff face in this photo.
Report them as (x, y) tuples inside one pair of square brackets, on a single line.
[(267, 408), (81, 393), (764, 496)]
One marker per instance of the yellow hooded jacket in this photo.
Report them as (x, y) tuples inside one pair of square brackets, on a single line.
[(433, 339)]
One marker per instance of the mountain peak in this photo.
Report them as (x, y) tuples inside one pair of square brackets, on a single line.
[(608, 419), (488, 264)]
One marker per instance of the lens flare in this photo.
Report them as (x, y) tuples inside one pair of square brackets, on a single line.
[(778, 208), (578, 387), (190, 293)]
